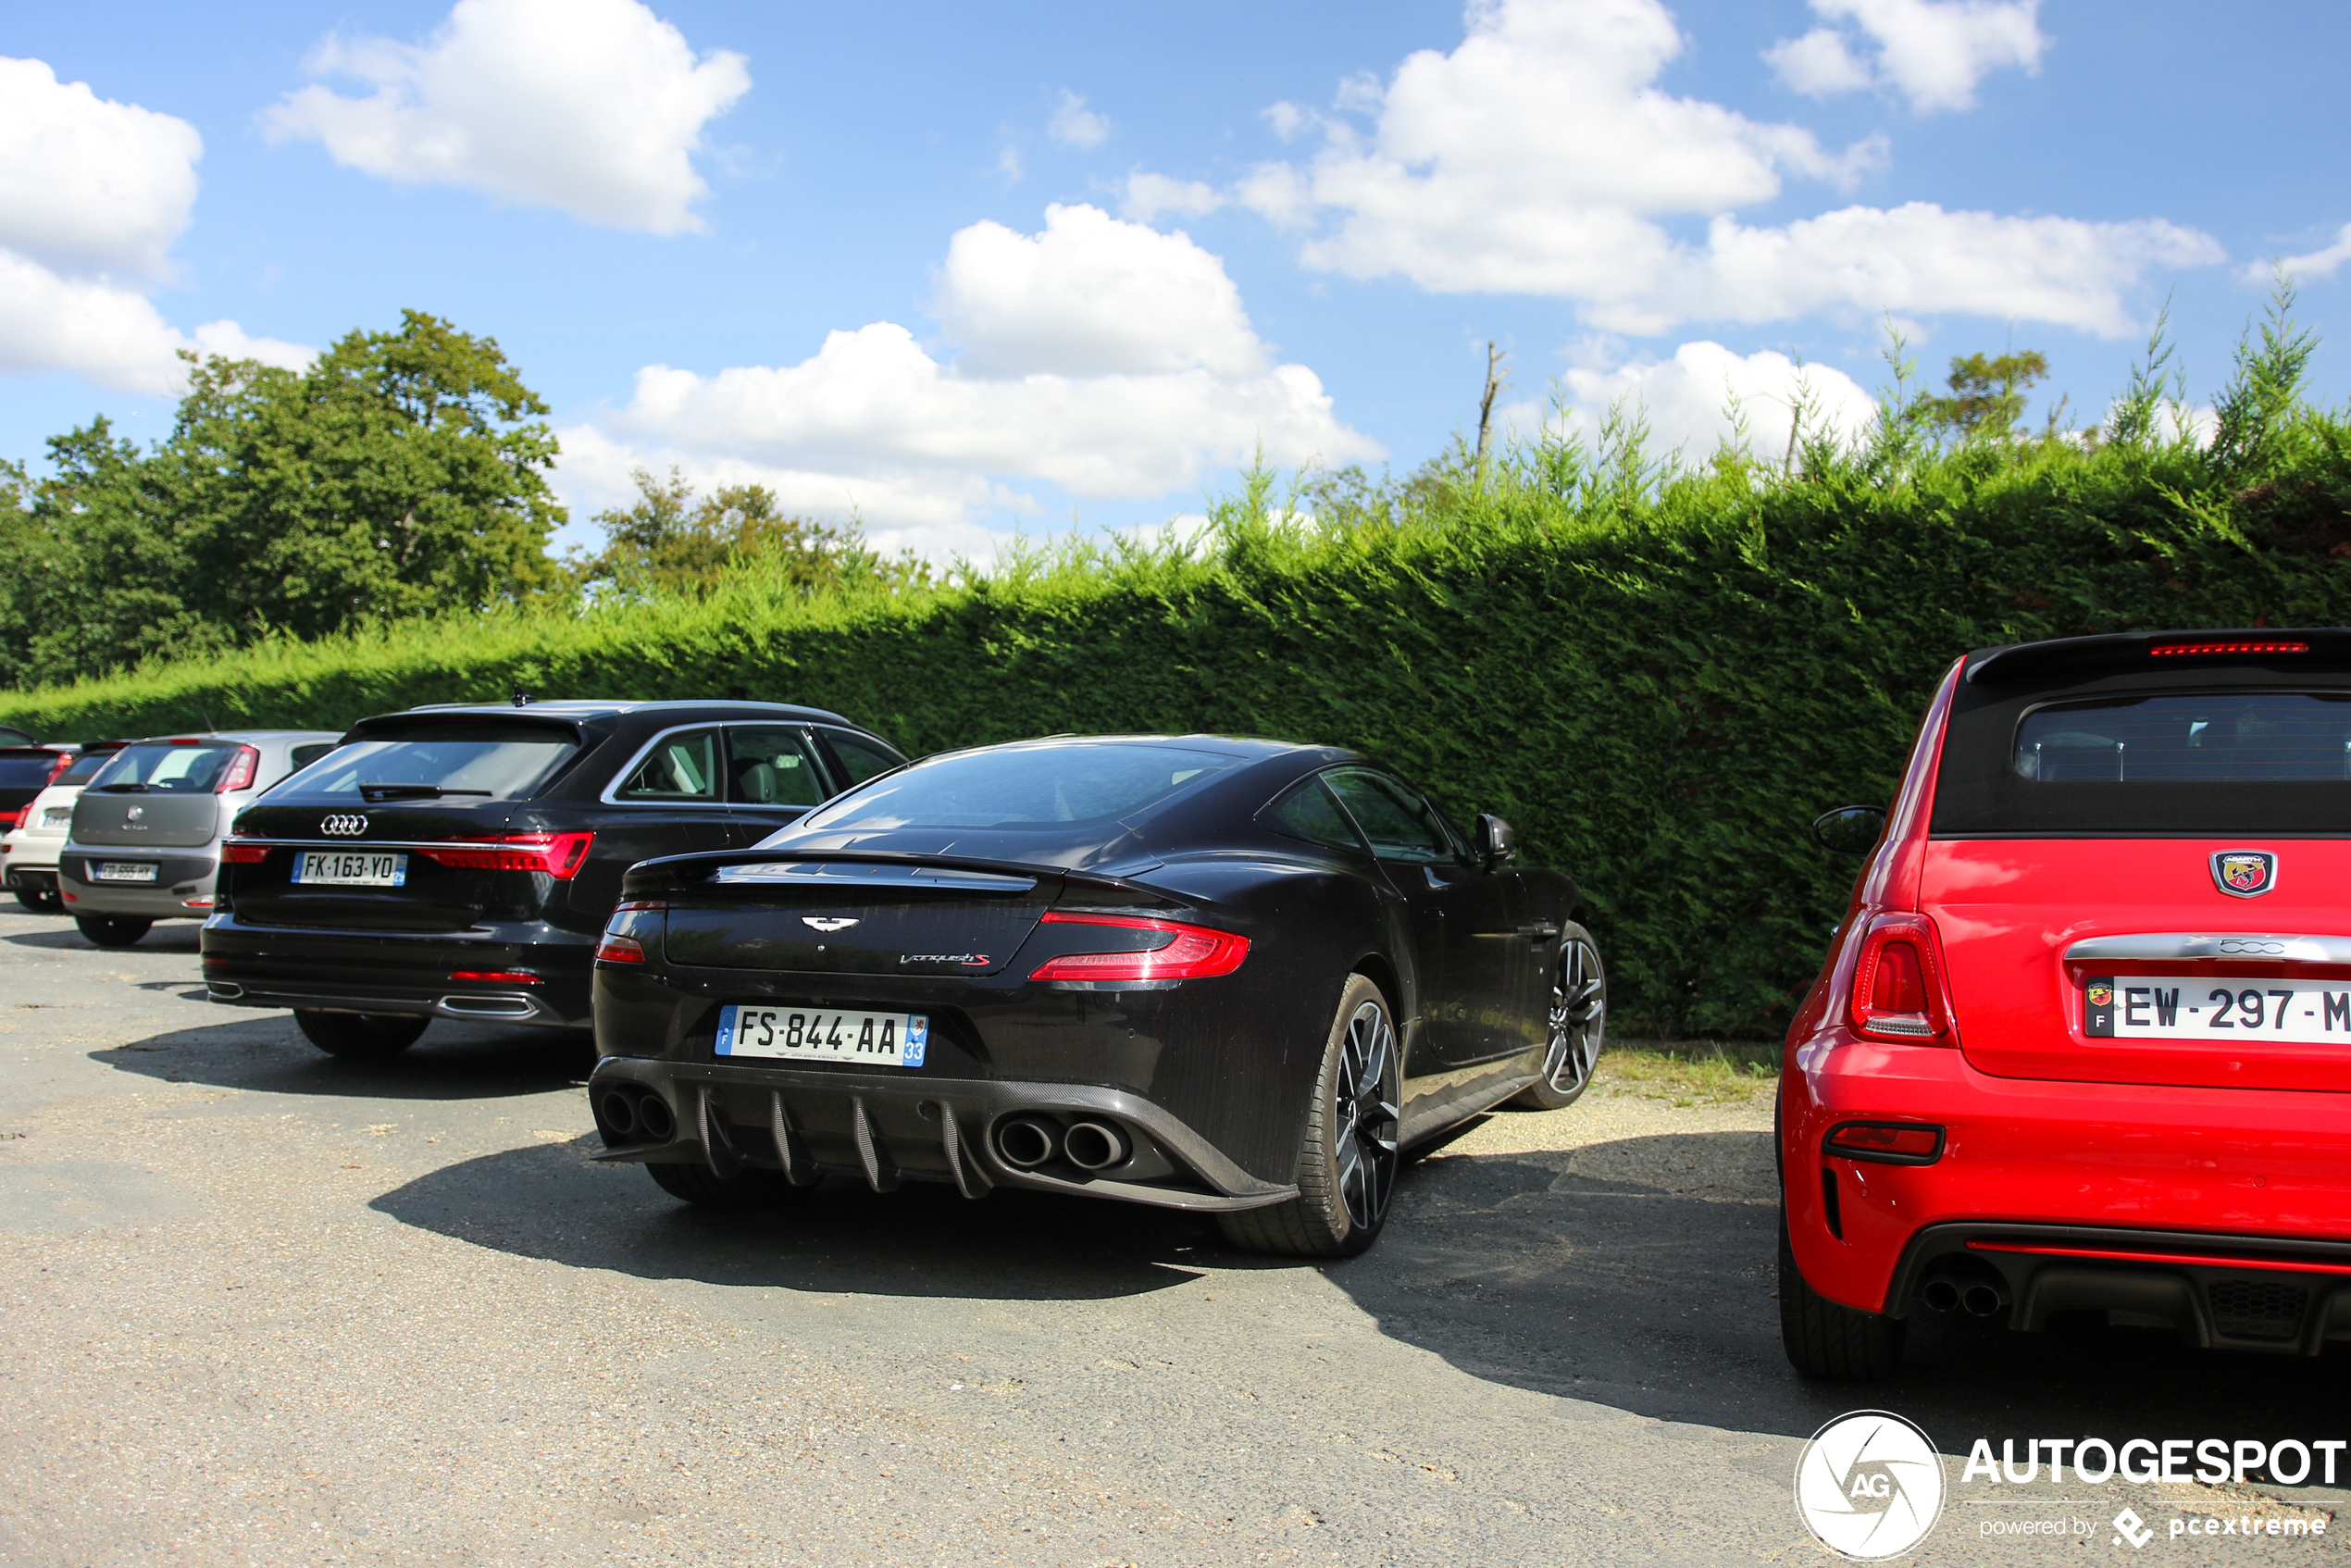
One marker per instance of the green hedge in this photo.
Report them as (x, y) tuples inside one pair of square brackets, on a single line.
[(1660, 683)]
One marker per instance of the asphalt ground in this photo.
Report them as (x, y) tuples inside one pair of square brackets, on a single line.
[(265, 1307)]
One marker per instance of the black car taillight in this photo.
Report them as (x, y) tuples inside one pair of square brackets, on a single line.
[(1191, 952)]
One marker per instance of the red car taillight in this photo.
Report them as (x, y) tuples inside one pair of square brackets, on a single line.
[(1899, 991), (239, 773), (559, 855), (1892, 1143), (1193, 952)]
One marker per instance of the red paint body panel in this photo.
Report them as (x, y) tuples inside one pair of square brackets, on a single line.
[(2232, 1137), (2008, 909)]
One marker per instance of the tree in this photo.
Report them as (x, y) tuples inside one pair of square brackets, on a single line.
[(671, 542), (402, 473), (1988, 394)]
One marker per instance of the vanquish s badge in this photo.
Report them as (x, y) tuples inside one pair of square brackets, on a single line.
[(2245, 873)]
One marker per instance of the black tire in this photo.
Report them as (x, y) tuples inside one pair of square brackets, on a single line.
[(39, 902), (1829, 1340), (1347, 1156), (360, 1037), (751, 1189), (113, 930), (1578, 1018)]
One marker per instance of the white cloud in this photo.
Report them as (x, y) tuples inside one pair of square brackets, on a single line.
[(2320, 263), (1150, 195), (112, 335), (93, 193), (1099, 356), (1091, 295), (592, 107), (1933, 52), (88, 185), (1688, 399), (1539, 157), (1074, 125)]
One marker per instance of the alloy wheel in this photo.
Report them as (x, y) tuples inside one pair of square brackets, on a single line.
[(1367, 1116), (1578, 1017)]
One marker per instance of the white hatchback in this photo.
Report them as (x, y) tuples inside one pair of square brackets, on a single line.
[(29, 850)]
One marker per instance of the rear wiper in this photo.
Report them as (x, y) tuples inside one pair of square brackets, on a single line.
[(376, 793)]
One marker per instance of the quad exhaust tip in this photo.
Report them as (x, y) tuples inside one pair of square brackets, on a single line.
[(636, 1114), (1027, 1142), (1095, 1146)]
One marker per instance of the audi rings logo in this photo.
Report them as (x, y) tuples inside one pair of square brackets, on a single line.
[(343, 827), (1869, 1485)]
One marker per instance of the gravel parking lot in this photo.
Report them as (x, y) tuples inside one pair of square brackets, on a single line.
[(267, 1307)]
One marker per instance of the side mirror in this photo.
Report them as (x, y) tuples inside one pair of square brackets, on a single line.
[(1852, 831), (1497, 840)]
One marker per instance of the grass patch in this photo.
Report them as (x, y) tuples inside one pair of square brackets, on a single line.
[(1687, 1073)]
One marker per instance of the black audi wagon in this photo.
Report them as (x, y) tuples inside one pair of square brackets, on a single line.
[(1237, 976), (458, 862)]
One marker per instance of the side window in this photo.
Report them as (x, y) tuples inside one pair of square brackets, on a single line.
[(1306, 811), (860, 758), (1400, 825), (681, 767), (304, 756), (773, 765)]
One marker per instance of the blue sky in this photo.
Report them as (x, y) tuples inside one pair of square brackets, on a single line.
[(1081, 259)]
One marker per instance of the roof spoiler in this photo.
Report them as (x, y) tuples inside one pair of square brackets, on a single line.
[(2283, 648)]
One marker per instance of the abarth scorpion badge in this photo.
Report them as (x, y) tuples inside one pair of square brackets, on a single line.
[(2245, 873)]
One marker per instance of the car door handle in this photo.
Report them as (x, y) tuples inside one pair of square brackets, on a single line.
[(1540, 933)]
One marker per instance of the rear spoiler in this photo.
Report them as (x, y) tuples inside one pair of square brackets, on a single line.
[(2284, 648)]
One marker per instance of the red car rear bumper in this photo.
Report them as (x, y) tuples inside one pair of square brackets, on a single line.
[(2225, 1213)]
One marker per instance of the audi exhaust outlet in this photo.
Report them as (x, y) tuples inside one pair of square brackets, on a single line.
[(1027, 1142), (1095, 1146)]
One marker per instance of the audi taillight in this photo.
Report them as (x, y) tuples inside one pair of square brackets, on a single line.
[(559, 855), (1190, 953), (235, 853), (1899, 991), (240, 772)]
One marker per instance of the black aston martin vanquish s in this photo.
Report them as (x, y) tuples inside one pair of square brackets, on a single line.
[(1237, 976)]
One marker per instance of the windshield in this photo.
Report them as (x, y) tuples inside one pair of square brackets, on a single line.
[(497, 762), (84, 768), (26, 770), (1024, 787), (183, 769), (2235, 736)]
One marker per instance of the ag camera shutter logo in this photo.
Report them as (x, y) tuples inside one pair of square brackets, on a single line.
[(1869, 1486)]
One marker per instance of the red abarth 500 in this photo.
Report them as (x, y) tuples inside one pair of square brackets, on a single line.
[(2083, 1044)]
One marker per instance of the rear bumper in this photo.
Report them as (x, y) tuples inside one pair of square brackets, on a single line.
[(182, 889), (2235, 1292), (2234, 1168), (33, 878), (886, 1130), (414, 974)]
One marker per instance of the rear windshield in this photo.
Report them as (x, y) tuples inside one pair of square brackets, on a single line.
[(190, 769), (84, 768), (26, 771), (2127, 758), (1025, 787), (492, 761), (2214, 737)]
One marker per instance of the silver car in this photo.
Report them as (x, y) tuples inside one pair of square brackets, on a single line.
[(146, 842)]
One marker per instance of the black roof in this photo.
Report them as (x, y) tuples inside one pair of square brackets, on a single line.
[(587, 708), (2281, 648)]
